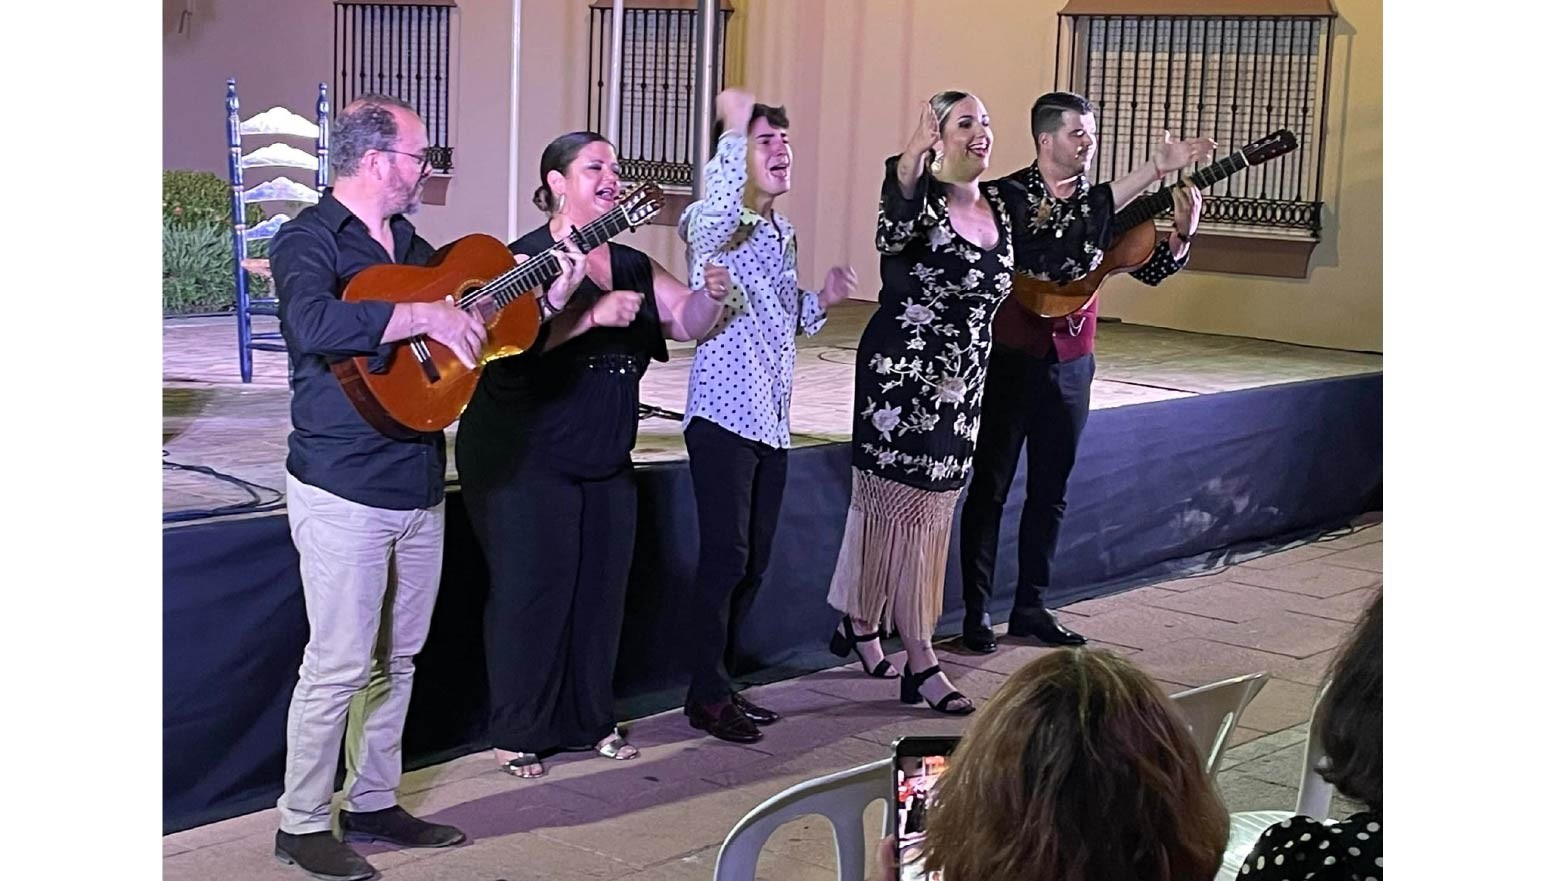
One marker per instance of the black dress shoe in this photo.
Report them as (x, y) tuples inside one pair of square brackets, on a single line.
[(723, 720), (320, 855), (983, 642), (758, 715), (396, 826), (1040, 625)]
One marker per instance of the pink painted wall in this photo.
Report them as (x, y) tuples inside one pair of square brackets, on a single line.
[(278, 50), (851, 73)]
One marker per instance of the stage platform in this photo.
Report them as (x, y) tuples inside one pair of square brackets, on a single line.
[(1200, 449), (213, 420)]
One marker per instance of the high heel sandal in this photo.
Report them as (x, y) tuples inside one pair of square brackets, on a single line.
[(845, 641), (911, 693)]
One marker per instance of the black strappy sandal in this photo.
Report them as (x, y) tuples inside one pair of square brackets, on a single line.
[(845, 641), (912, 695)]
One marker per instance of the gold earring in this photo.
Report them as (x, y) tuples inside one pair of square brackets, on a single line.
[(560, 208), (936, 166)]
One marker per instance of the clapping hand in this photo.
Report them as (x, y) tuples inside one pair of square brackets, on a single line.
[(1174, 155), (716, 282), (841, 282)]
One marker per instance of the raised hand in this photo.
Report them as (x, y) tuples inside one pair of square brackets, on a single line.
[(716, 282), (616, 309), (841, 282), (1174, 155), (925, 137), (734, 107)]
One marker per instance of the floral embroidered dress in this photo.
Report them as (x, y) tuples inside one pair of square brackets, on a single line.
[(918, 397), (923, 356)]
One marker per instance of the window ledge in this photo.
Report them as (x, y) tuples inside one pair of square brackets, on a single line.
[(1242, 254), (437, 188)]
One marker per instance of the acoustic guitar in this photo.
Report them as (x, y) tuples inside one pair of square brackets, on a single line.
[(1134, 236), (417, 385)]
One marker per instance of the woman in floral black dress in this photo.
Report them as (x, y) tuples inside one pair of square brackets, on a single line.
[(947, 246)]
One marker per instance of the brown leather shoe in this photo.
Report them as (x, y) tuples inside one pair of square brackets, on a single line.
[(724, 721)]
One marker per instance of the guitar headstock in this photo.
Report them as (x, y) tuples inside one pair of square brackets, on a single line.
[(1271, 147), (644, 202)]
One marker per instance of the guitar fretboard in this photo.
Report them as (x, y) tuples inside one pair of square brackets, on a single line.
[(544, 267), (1148, 207)]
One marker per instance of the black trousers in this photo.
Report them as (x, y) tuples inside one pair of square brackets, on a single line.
[(1041, 405), (739, 485), (558, 548)]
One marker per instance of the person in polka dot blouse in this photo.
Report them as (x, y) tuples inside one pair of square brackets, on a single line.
[(1350, 722), (737, 419)]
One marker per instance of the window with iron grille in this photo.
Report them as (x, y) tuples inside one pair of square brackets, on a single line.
[(404, 50), (658, 85), (1234, 78)]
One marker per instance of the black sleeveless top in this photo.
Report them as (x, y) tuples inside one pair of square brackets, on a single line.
[(577, 405)]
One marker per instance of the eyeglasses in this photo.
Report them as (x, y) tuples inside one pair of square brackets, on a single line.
[(423, 159)]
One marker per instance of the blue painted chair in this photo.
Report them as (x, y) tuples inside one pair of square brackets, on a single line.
[(274, 122)]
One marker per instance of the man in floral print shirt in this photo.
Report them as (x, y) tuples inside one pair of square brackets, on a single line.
[(1037, 393)]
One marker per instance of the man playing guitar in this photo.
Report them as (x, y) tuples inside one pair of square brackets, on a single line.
[(366, 511), (1037, 393)]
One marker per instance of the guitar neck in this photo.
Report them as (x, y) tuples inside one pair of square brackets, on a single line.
[(1146, 208), (544, 267)]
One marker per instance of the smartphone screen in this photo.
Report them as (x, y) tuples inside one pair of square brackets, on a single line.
[(918, 763)]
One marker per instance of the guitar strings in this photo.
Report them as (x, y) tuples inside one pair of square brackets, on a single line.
[(589, 237)]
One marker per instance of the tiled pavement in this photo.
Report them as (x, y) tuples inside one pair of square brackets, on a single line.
[(661, 817)]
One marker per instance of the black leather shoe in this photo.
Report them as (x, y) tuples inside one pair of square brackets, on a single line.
[(396, 826), (320, 855), (724, 721), (758, 715), (983, 642), (1040, 625)]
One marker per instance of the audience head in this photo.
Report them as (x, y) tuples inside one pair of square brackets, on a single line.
[(1350, 719), (1077, 769)]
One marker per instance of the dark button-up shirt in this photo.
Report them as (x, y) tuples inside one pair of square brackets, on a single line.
[(331, 446), (1085, 218)]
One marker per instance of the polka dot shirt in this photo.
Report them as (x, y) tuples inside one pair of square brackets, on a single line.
[(743, 371), (1303, 849)]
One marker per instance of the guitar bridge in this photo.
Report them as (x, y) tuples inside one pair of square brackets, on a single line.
[(426, 361)]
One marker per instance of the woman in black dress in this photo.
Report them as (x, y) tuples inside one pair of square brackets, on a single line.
[(543, 452), (947, 244)]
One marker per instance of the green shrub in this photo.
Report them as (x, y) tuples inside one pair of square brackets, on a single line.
[(197, 197), (197, 271)]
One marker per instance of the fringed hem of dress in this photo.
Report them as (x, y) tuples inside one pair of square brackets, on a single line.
[(891, 569)]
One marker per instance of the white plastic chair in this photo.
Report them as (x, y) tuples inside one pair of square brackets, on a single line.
[(1314, 801), (1213, 711), (841, 798)]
